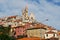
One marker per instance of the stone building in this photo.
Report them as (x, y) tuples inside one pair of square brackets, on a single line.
[(36, 32)]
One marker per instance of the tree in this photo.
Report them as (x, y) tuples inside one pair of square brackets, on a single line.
[(5, 33), (5, 30), (6, 37), (1, 28)]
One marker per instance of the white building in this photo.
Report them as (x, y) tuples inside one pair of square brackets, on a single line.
[(50, 34)]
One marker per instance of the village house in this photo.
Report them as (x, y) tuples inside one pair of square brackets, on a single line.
[(21, 30), (51, 34), (36, 32), (58, 34)]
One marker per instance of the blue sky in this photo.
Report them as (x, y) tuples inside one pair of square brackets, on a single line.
[(42, 9)]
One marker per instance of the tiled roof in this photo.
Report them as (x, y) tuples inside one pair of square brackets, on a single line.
[(50, 32), (31, 39), (12, 17), (59, 33)]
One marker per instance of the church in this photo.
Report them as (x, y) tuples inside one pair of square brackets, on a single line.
[(25, 16)]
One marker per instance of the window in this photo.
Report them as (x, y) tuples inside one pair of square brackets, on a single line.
[(47, 35), (48, 39), (54, 35), (32, 18)]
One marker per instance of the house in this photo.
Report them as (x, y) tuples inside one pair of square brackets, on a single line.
[(35, 32), (49, 35), (59, 34), (19, 31), (59, 37)]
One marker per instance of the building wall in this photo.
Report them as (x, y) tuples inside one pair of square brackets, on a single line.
[(47, 36), (19, 31), (59, 37), (36, 33), (33, 33)]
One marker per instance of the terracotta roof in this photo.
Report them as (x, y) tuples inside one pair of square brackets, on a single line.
[(58, 33), (17, 20), (12, 17), (31, 39), (50, 32), (36, 28), (40, 25)]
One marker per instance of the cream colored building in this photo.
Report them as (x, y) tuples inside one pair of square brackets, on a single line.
[(59, 37), (35, 32)]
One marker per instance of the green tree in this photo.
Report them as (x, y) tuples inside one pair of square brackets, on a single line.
[(6, 37), (5, 30), (5, 33)]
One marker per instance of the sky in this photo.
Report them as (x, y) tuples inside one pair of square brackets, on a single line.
[(42, 9)]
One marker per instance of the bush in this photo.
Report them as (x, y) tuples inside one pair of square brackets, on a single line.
[(5, 30), (6, 37), (21, 36)]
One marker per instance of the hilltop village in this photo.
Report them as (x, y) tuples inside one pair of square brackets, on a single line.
[(27, 26)]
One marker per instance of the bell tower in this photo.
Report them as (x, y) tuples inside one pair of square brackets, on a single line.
[(31, 17), (25, 14)]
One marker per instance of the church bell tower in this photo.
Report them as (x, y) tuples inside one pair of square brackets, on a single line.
[(25, 14)]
